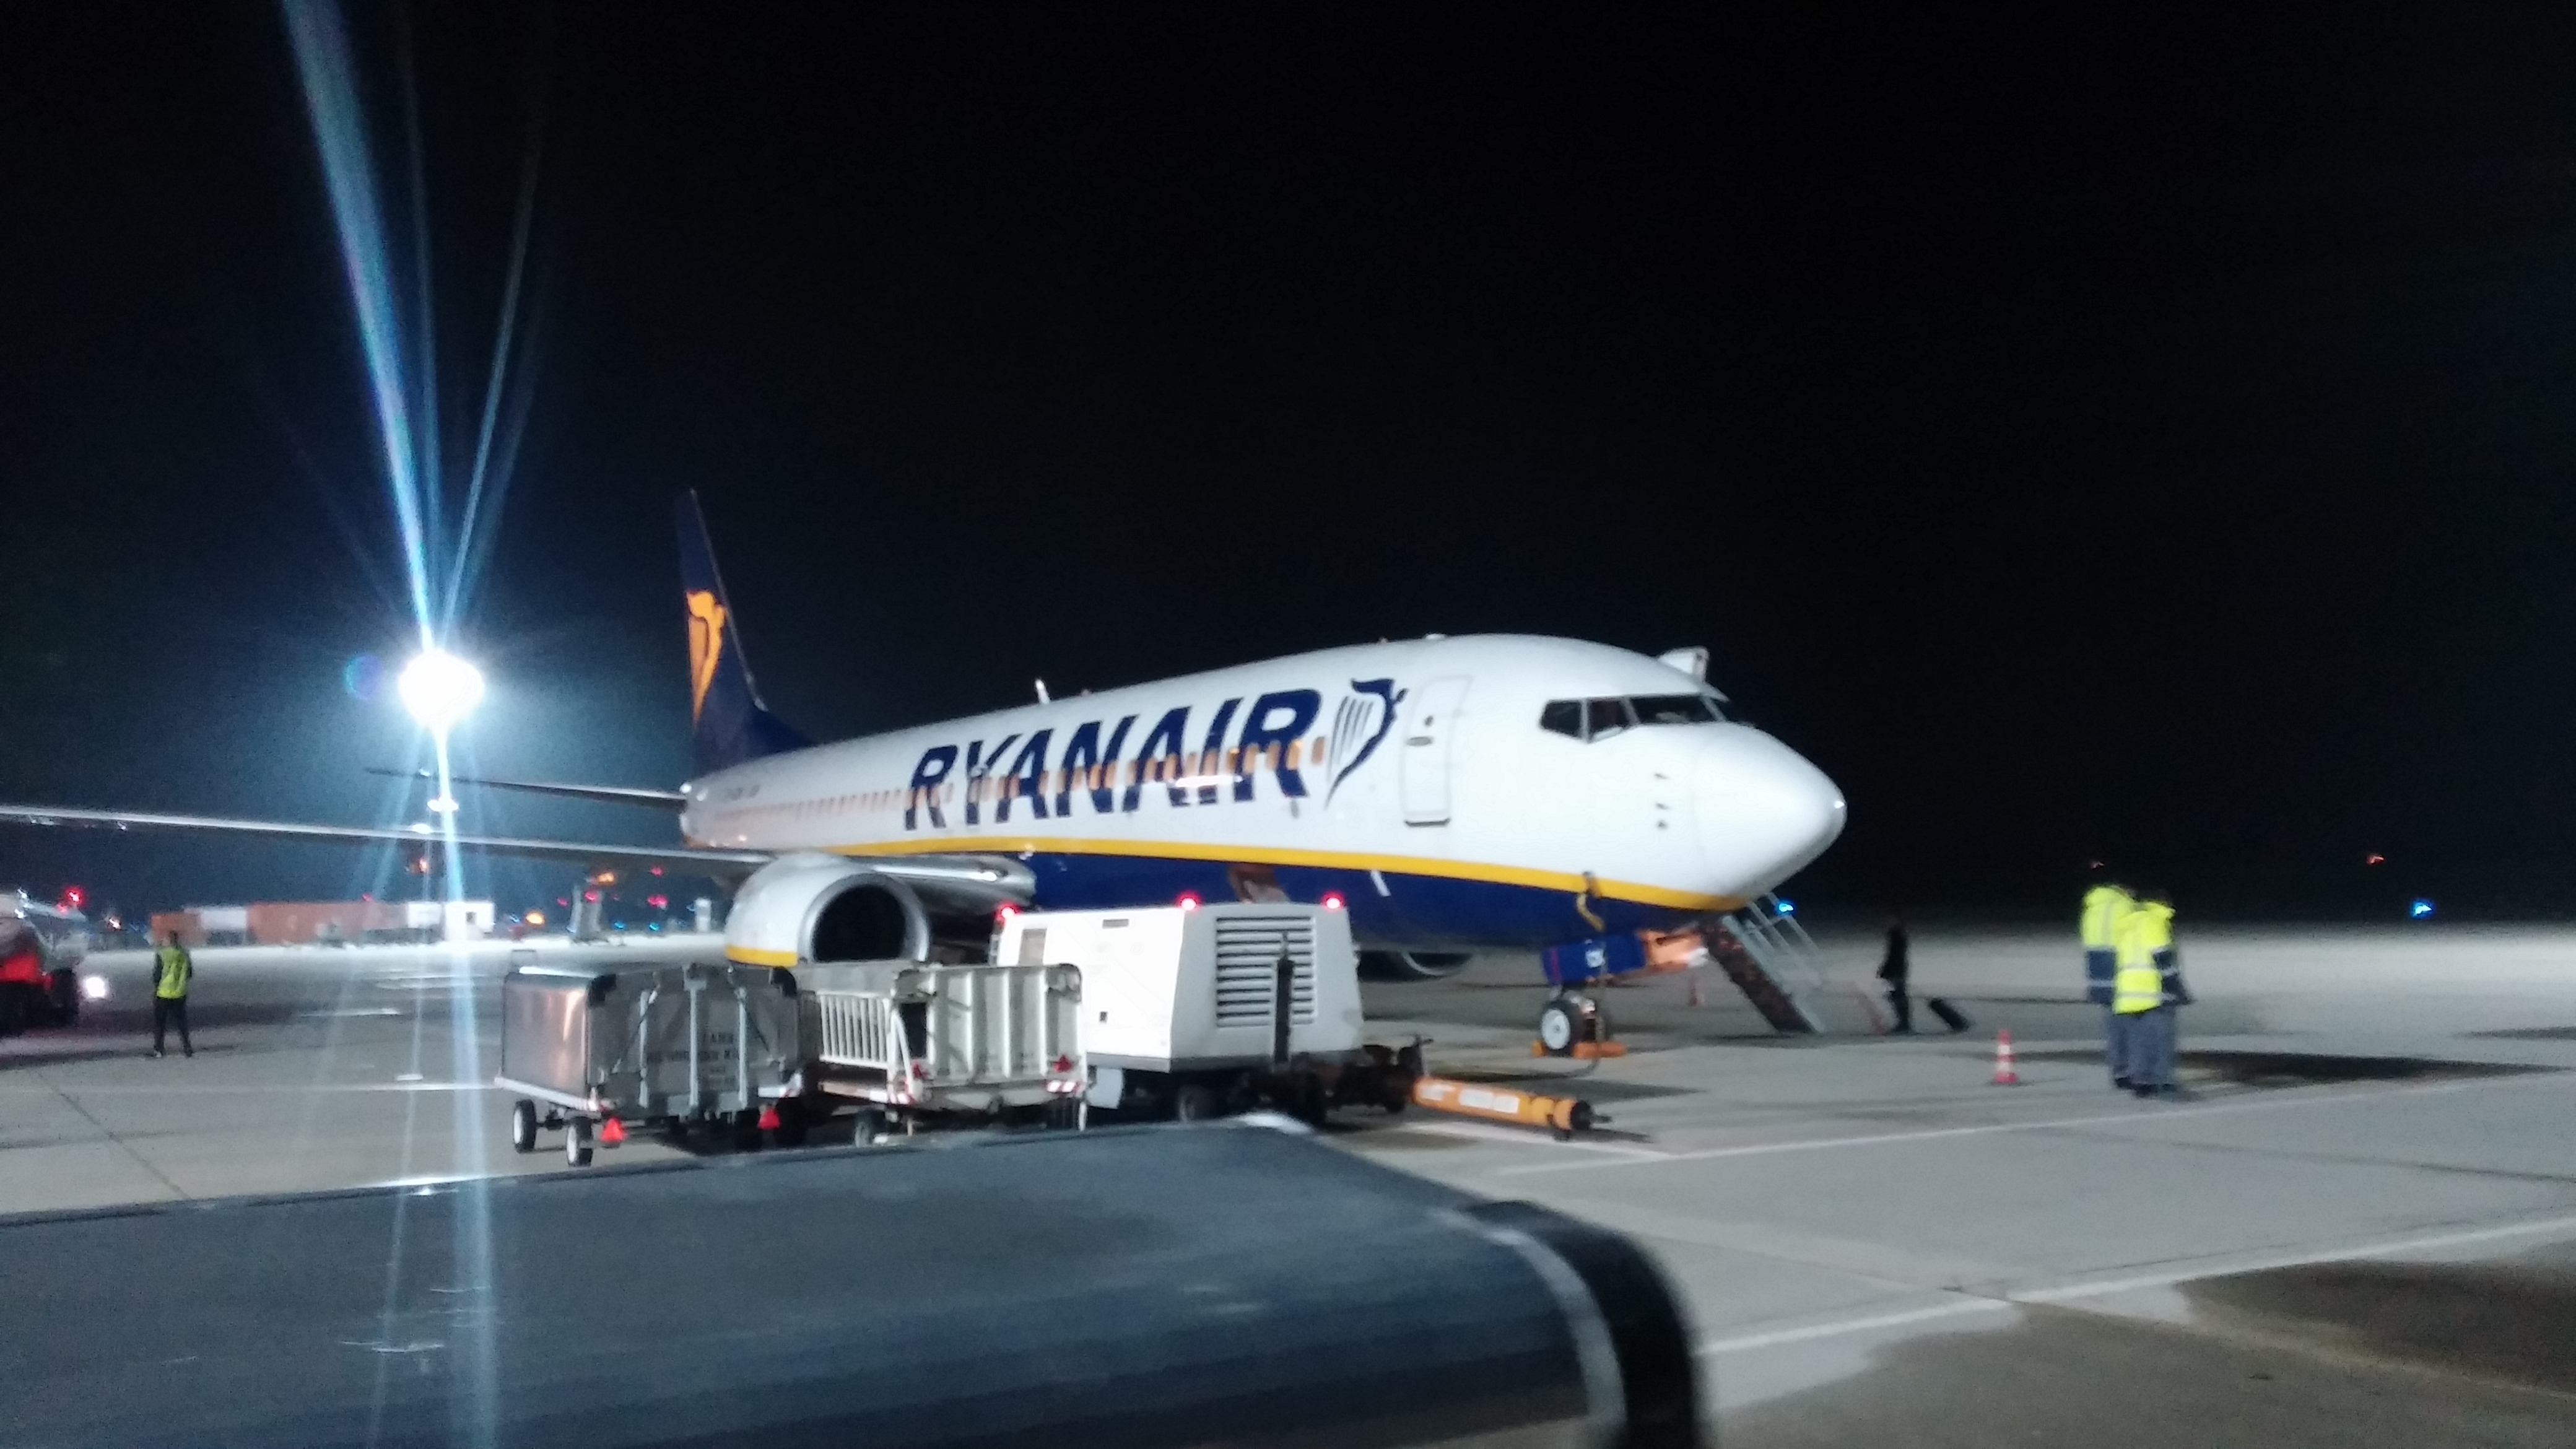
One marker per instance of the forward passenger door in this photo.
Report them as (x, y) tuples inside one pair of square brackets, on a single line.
[(1430, 727)]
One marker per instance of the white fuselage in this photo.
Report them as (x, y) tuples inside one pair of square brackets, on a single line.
[(1427, 782)]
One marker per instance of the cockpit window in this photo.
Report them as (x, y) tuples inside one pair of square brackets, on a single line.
[(1655, 709), (1592, 719)]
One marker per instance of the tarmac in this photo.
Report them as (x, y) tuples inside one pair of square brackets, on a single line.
[(2360, 1230)]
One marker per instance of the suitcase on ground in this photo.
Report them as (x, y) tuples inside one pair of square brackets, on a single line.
[(1951, 1016)]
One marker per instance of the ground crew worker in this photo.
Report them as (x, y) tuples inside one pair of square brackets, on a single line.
[(171, 968), (2146, 993), (1895, 968), (2104, 906)]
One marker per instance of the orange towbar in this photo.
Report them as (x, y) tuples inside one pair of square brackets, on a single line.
[(1564, 1116)]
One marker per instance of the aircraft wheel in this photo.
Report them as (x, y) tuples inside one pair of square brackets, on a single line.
[(1559, 1025), (1193, 1103), (577, 1142), (523, 1126)]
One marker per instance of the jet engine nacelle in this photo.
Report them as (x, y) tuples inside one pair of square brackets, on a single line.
[(805, 908), (1412, 965)]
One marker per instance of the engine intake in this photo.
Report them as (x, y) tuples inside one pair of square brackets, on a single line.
[(806, 908)]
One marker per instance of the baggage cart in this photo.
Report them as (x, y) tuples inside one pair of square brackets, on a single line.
[(914, 1044), (590, 1051)]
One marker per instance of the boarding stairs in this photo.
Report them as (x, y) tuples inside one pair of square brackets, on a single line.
[(1772, 960)]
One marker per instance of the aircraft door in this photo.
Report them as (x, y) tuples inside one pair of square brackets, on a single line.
[(1430, 726)]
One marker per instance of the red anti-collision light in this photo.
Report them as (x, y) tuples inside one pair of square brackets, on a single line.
[(1189, 900), (1332, 900)]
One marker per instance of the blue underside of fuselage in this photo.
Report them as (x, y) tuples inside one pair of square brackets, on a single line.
[(1423, 912)]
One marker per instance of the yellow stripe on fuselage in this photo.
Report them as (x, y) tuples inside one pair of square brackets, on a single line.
[(752, 956), (1548, 880)]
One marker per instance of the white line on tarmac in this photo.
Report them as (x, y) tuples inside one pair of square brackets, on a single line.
[(1951, 1309), (2148, 1116), (2105, 1287), (2536, 1228)]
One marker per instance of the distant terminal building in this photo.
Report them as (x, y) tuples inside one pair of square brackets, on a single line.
[(328, 923)]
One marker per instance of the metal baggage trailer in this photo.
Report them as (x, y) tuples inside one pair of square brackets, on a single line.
[(664, 1045), (910, 1043)]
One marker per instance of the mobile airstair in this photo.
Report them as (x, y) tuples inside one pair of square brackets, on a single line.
[(1773, 961)]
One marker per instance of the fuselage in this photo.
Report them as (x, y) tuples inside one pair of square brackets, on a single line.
[(1486, 790)]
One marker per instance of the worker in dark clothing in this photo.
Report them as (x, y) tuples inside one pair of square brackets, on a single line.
[(1893, 969), (171, 969)]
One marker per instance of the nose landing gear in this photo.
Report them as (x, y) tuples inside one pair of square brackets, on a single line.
[(1574, 1025)]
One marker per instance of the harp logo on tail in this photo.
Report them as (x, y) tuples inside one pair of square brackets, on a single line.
[(706, 646)]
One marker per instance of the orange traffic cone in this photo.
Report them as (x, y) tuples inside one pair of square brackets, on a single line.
[(2005, 1075), (769, 1118), (612, 1132)]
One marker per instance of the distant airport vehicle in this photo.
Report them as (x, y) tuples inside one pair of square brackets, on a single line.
[(41, 947), (1452, 794)]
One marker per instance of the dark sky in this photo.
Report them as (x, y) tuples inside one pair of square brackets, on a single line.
[(2146, 438)]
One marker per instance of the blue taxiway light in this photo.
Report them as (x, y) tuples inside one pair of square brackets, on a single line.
[(2419, 910)]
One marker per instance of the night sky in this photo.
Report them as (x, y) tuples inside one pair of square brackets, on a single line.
[(2150, 440)]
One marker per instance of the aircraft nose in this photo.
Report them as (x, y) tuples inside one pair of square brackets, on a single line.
[(1763, 811)]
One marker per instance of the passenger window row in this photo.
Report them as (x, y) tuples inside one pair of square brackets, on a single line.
[(1163, 769), (1592, 719)]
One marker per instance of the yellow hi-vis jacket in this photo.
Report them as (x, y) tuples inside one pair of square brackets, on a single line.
[(2104, 905), (2143, 933), (170, 975)]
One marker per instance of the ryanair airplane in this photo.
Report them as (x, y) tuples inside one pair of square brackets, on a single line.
[(1450, 793)]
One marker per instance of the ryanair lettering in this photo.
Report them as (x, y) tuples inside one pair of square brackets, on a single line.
[(1242, 740)]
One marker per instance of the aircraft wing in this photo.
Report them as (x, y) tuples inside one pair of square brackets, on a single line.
[(716, 862), (974, 882), (603, 794)]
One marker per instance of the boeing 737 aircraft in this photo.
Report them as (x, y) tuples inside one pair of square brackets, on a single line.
[(1450, 793)]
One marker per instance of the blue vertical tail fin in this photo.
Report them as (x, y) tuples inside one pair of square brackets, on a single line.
[(727, 722)]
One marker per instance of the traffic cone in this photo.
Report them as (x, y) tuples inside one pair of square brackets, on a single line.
[(769, 1118), (612, 1132), (2005, 1075)]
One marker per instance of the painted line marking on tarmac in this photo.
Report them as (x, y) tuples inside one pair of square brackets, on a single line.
[(1987, 1129), (1952, 1309), (2204, 1269), (2538, 1227)]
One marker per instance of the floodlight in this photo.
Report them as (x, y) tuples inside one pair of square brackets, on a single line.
[(440, 690)]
